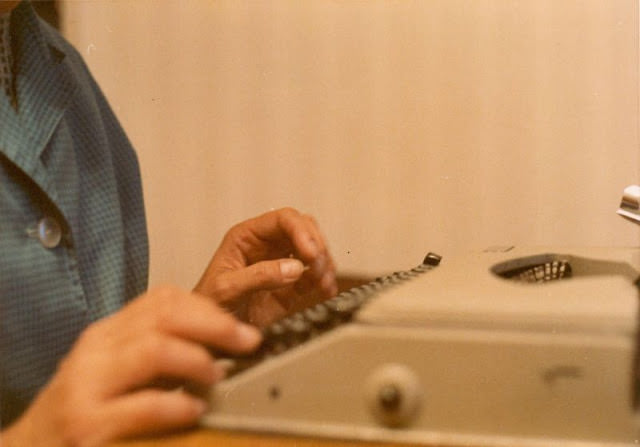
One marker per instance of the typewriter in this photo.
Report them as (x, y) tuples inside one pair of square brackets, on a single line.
[(509, 346)]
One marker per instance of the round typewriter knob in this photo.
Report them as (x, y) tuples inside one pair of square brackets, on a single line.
[(393, 395)]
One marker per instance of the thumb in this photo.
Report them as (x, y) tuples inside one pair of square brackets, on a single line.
[(261, 275)]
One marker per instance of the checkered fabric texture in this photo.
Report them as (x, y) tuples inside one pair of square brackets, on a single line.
[(6, 72), (63, 155)]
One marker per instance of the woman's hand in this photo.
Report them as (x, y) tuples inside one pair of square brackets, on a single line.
[(113, 383), (269, 266)]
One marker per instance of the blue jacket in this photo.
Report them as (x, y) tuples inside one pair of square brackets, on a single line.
[(65, 162)]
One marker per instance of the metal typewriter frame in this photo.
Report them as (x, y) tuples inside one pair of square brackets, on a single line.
[(508, 367)]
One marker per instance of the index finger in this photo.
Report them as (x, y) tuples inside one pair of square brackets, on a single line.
[(193, 317), (300, 229)]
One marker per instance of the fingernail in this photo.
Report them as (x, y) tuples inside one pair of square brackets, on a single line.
[(328, 282), (312, 246), (319, 265), (291, 269), (201, 406), (218, 372), (248, 335)]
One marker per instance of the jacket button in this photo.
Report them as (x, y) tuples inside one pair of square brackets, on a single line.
[(49, 232)]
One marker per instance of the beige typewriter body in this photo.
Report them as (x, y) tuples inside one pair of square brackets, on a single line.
[(463, 353)]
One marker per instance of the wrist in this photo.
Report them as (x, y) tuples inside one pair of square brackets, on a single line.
[(12, 436), (25, 432)]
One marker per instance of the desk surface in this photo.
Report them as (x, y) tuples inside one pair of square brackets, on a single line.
[(211, 438)]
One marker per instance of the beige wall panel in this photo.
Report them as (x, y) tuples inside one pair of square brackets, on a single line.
[(403, 126)]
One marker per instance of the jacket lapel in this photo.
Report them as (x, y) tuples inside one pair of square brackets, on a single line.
[(44, 87)]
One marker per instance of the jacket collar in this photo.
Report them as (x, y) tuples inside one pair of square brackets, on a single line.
[(44, 87)]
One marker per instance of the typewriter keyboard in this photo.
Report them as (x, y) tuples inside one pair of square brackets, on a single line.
[(320, 318)]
